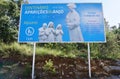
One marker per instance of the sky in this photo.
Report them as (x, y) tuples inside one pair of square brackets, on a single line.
[(111, 8)]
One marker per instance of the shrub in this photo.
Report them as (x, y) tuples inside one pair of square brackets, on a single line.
[(64, 47), (110, 49), (48, 67)]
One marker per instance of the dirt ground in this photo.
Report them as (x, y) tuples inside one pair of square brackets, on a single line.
[(66, 68)]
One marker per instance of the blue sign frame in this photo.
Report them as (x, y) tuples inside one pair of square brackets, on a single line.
[(64, 22)]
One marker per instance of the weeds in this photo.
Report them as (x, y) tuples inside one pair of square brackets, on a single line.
[(49, 67), (13, 49)]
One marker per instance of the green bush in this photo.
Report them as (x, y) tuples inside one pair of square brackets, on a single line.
[(110, 49), (64, 47), (3, 50), (49, 67), (14, 49)]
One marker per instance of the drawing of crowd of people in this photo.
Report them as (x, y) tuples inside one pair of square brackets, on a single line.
[(48, 33)]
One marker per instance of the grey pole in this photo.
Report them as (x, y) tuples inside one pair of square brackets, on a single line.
[(33, 62), (89, 64)]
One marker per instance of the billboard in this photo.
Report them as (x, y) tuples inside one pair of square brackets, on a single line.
[(63, 22)]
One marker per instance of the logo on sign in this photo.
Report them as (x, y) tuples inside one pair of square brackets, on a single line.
[(29, 31)]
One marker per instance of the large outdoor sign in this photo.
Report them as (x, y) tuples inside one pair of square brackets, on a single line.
[(64, 22)]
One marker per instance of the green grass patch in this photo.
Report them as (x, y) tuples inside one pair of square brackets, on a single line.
[(13, 49), (27, 50)]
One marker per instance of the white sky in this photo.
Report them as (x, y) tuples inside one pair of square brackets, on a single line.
[(111, 8)]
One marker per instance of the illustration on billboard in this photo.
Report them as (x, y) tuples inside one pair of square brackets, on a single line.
[(49, 33), (66, 22), (73, 23)]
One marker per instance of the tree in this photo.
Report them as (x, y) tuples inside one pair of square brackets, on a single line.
[(116, 31), (9, 20)]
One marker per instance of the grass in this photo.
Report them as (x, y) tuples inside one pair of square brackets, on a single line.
[(27, 50), (15, 48)]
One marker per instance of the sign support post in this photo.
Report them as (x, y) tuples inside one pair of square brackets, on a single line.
[(89, 64), (33, 62)]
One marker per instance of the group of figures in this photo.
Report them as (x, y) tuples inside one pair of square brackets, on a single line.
[(47, 33)]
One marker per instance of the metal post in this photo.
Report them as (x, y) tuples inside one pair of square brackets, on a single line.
[(89, 65), (33, 63)]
